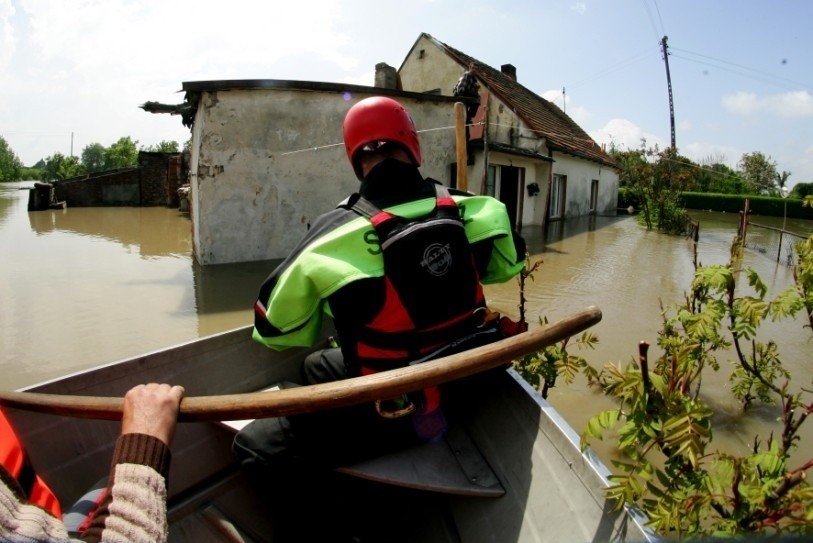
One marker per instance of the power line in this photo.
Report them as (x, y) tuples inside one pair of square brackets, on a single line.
[(652, 21), (611, 69), (657, 9), (721, 65)]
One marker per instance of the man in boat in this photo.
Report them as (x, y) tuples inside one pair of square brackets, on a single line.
[(400, 268), (132, 506)]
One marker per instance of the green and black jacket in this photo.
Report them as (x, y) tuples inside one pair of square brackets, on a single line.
[(337, 269)]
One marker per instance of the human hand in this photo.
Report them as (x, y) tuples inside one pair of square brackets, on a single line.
[(152, 409)]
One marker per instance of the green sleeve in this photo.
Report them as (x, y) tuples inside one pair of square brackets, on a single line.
[(486, 218)]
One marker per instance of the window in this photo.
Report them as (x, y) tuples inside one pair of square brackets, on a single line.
[(594, 196), (556, 209), (491, 182)]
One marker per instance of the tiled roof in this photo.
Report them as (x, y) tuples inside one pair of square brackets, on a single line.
[(540, 115)]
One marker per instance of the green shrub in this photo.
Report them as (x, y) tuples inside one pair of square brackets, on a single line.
[(733, 203)]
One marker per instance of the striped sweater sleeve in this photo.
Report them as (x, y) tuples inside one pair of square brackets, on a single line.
[(134, 508)]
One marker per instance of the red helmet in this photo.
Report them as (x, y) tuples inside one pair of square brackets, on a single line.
[(379, 119)]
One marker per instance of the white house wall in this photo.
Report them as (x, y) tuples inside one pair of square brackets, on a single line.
[(266, 162), (580, 174), (427, 68), (533, 207)]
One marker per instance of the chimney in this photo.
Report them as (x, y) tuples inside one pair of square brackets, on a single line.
[(386, 77), (510, 70)]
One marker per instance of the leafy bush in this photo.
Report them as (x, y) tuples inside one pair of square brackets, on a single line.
[(665, 428)]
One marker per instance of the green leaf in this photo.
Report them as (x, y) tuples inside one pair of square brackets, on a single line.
[(755, 281)]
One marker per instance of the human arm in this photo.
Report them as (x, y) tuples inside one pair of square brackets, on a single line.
[(134, 505), (499, 250)]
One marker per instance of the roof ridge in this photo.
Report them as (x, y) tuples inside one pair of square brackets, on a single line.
[(539, 115)]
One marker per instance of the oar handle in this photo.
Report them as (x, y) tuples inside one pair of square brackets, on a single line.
[(385, 384)]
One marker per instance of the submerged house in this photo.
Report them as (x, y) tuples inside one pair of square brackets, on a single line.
[(526, 151), (267, 155)]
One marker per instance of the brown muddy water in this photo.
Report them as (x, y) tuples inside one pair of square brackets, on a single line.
[(85, 286)]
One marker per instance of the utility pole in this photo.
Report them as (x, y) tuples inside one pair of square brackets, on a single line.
[(564, 101), (665, 49)]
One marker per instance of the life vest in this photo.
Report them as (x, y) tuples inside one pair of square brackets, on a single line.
[(433, 294), (15, 461), (432, 297)]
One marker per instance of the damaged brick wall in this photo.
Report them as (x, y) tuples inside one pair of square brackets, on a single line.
[(154, 182)]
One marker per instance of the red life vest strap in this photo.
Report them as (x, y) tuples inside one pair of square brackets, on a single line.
[(15, 461)]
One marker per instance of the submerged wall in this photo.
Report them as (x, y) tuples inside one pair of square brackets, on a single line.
[(154, 182), (268, 158)]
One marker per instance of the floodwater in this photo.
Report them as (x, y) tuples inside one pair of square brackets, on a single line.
[(84, 286)]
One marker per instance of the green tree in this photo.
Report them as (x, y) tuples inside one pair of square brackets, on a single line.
[(718, 178), (10, 164), (760, 173), (800, 190), (59, 166), (657, 178), (32, 174), (781, 181), (165, 146), (93, 157), (122, 154)]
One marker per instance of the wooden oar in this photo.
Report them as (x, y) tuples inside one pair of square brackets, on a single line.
[(305, 399), (460, 146)]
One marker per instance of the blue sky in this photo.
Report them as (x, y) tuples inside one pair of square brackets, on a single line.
[(73, 72)]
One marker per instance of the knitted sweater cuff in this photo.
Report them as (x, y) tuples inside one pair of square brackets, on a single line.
[(143, 449)]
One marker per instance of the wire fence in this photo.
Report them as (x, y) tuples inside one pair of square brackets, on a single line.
[(773, 242)]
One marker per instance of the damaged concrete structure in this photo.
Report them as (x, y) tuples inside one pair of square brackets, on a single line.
[(268, 158)]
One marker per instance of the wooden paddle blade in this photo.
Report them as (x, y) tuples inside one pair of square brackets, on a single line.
[(307, 399)]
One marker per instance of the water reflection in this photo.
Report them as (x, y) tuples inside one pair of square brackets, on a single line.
[(227, 290), (152, 231)]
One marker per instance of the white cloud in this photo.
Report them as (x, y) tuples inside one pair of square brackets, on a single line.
[(625, 135), (7, 39), (580, 114), (96, 61), (147, 39), (579, 7), (704, 152), (792, 104), (363, 78), (742, 103), (796, 104)]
